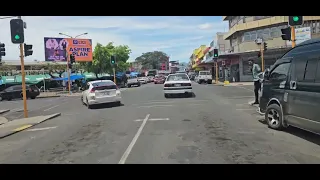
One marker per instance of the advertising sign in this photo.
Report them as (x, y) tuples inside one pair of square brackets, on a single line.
[(302, 34), (55, 49)]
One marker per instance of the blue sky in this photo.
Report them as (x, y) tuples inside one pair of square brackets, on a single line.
[(177, 36)]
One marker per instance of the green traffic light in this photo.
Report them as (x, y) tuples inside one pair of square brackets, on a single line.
[(215, 55), (295, 18), (17, 37)]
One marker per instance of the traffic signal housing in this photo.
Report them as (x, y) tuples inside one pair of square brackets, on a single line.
[(2, 50), (113, 60), (286, 34), (72, 59), (265, 46), (17, 31), (215, 53), (295, 20), (28, 50)]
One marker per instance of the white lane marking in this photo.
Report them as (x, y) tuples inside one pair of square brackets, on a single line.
[(41, 129), (245, 88), (168, 102), (154, 106), (245, 109), (154, 119), (134, 140), (51, 108)]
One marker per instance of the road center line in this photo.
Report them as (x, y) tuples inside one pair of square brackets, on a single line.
[(134, 140), (41, 129), (51, 108), (154, 119)]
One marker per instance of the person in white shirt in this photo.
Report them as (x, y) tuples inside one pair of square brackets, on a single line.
[(52, 44)]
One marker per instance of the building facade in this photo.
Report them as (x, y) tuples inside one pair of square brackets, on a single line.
[(244, 30)]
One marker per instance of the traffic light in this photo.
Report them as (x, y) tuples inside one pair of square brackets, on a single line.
[(286, 33), (72, 59), (265, 46), (2, 50), (113, 60), (28, 50), (17, 31), (295, 20), (215, 53)]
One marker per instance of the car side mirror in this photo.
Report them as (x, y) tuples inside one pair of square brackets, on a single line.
[(266, 74)]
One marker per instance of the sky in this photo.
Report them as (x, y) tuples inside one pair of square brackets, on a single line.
[(177, 36)]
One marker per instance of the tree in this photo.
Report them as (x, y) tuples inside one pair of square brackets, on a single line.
[(56, 68), (151, 60), (102, 55)]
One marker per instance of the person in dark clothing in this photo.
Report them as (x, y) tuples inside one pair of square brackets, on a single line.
[(257, 85)]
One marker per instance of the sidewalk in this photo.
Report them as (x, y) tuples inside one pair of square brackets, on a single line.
[(11, 127), (232, 84)]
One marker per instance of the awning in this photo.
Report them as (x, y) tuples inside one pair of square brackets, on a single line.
[(72, 78)]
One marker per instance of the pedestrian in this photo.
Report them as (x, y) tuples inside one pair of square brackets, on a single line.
[(257, 85)]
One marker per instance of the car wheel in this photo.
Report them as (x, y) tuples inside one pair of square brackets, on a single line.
[(82, 100), (139, 85), (32, 97), (129, 86), (209, 82), (118, 103), (166, 95), (273, 117)]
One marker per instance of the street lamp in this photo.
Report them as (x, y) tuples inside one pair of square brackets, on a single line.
[(73, 37), (69, 84)]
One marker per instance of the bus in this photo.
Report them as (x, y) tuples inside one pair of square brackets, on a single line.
[(152, 72)]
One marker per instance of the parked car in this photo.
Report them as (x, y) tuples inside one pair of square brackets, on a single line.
[(100, 92), (143, 80), (290, 92), (15, 92)]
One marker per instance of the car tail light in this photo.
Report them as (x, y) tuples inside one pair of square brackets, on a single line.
[(186, 84), (92, 90)]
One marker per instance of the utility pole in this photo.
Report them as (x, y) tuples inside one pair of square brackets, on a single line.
[(68, 71), (262, 58), (114, 75), (23, 75), (217, 71), (293, 36)]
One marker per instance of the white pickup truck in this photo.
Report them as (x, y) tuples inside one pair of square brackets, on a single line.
[(204, 76)]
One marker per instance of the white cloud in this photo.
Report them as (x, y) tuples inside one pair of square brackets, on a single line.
[(141, 34)]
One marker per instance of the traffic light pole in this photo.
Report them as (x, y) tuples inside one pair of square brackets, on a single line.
[(68, 60), (293, 36), (262, 58), (23, 76), (217, 72), (114, 75)]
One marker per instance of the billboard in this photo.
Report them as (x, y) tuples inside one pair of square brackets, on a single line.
[(80, 48)]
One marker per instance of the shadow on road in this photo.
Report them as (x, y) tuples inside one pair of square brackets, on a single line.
[(107, 105), (172, 96), (306, 135)]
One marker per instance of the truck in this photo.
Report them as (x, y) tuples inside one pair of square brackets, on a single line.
[(204, 77)]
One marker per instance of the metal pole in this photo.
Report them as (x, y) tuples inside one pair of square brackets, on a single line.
[(23, 76), (293, 36), (217, 73), (69, 84), (262, 58), (114, 75)]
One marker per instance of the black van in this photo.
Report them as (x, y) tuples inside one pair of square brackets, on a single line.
[(291, 89)]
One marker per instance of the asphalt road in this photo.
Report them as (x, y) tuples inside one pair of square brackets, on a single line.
[(216, 126)]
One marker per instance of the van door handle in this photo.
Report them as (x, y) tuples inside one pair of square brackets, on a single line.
[(293, 85)]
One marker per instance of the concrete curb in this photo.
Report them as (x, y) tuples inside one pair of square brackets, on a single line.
[(4, 111), (27, 126)]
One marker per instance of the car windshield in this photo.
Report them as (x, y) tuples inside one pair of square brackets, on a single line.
[(205, 73), (178, 77)]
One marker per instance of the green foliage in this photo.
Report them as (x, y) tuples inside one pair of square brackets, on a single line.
[(102, 55), (151, 60)]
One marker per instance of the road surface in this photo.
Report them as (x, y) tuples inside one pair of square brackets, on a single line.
[(215, 126)]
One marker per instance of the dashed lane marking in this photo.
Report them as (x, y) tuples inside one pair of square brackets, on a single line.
[(41, 129)]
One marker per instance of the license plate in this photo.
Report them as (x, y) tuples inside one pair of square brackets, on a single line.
[(177, 85), (106, 93)]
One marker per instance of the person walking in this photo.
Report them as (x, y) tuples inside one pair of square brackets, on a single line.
[(256, 81)]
